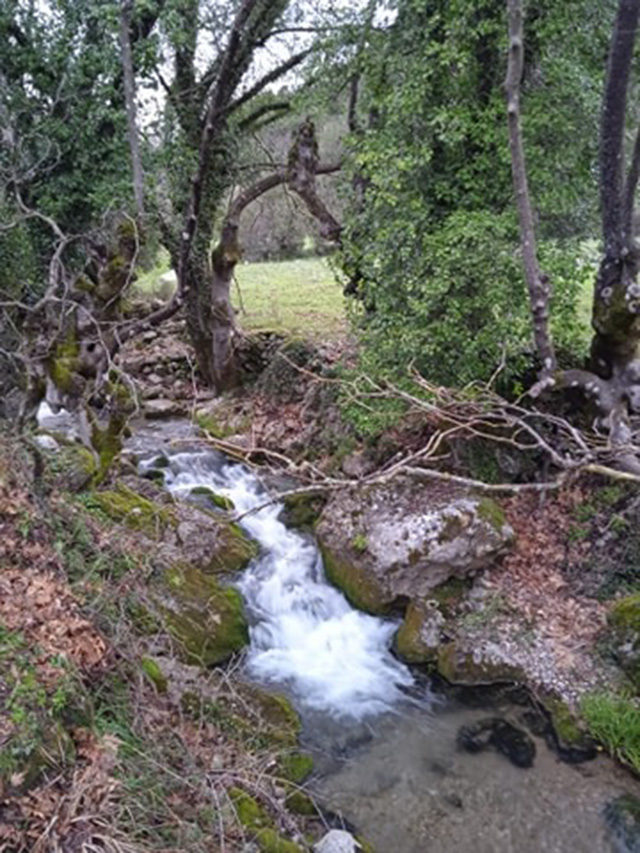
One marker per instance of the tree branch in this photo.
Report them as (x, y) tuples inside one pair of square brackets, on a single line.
[(272, 76)]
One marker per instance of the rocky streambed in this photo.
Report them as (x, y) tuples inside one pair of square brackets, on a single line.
[(411, 763), (414, 765)]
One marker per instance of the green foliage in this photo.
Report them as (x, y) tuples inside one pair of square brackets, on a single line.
[(615, 721), (62, 88), (460, 308), (434, 247), (36, 712)]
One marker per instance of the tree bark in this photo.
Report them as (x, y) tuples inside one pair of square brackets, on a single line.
[(538, 283), (616, 306), (130, 105)]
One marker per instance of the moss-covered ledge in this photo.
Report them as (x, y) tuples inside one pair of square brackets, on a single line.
[(205, 618), (123, 505)]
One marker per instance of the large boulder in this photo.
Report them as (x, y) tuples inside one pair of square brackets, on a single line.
[(385, 545)]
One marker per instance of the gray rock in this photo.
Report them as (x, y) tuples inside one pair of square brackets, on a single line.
[(398, 541), (47, 442), (337, 841), (162, 408)]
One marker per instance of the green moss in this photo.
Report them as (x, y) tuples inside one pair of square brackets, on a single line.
[(295, 766), (408, 642), (217, 500), (210, 424), (302, 511), (155, 675), (71, 469), (143, 620), (250, 813), (276, 711), (569, 733), (297, 802), (205, 618), (624, 619), (359, 542), (625, 614), (257, 820), (450, 594), (359, 586), (269, 841), (234, 551), (137, 512), (491, 512)]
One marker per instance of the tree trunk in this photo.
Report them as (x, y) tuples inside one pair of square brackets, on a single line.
[(616, 305), (538, 284), (130, 103)]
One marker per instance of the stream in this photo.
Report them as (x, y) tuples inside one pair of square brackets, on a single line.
[(385, 740)]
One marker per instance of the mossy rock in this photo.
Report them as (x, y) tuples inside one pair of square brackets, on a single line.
[(459, 666), (418, 638), (623, 819), (219, 501), (234, 551), (450, 594), (295, 766), (257, 821), (299, 803), (276, 711), (624, 622), (302, 511), (206, 619), (491, 512), (125, 506), (359, 586), (568, 736), (71, 468)]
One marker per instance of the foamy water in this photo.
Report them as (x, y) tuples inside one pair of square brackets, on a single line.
[(304, 633)]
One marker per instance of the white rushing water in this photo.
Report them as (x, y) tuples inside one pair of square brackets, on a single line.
[(304, 633)]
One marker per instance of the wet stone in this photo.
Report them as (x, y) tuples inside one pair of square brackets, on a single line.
[(500, 735)]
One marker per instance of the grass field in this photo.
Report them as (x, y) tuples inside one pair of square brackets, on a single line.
[(301, 297)]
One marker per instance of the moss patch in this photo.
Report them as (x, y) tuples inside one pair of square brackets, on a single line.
[(217, 500), (302, 511), (409, 642), (70, 469), (137, 512), (359, 586), (155, 675), (295, 767), (491, 512), (205, 618)]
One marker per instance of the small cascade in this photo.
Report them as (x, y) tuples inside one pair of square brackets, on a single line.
[(304, 634)]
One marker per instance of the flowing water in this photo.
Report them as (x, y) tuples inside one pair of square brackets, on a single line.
[(385, 744)]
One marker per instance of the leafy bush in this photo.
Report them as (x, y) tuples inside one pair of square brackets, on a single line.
[(460, 305)]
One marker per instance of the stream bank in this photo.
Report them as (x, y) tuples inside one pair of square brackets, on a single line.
[(469, 614)]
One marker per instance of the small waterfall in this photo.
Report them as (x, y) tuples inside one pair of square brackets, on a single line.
[(304, 634)]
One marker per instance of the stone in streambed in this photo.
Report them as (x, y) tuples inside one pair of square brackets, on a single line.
[(623, 819), (385, 545), (502, 736)]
